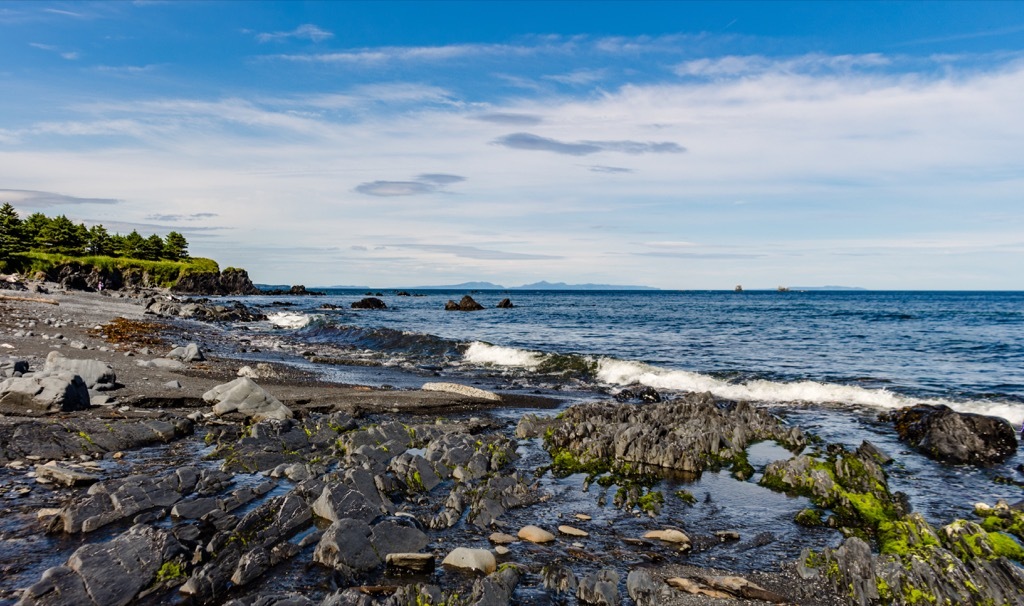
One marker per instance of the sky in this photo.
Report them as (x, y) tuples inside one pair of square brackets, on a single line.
[(681, 145)]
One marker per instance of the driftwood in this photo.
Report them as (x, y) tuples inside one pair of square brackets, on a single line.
[(29, 299)]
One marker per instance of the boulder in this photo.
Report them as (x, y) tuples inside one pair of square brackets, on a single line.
[(245, 396), (96, 374), (480, 560), (945, 435), (397, 535), (188, 353), (13, 367), (599, 588), (346, 546), (369, 303), (505, 303), (44, 392), (466, 304)]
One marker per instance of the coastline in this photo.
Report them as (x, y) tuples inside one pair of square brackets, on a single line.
[(299, 472)]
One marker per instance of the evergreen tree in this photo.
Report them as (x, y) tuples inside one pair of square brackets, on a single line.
[(32, 227), (11, 239), (116, 245), (99, 242), (132, 246), (61, 236), (175, 247), (153, 248)]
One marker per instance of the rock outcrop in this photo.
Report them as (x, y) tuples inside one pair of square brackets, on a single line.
[(466, 304), (369, 303), (943, 434), (231, 281)]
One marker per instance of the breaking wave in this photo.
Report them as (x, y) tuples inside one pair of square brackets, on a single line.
[(289, 319), (485, 354)]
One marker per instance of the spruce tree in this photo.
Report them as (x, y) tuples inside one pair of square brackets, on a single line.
[(11, 238), (175, 247)]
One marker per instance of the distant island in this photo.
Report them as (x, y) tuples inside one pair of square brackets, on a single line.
[(538, 286), (827, 288)]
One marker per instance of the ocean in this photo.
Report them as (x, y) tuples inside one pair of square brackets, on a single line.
[(858, 349)]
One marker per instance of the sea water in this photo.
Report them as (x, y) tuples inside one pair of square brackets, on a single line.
[(878, 350)]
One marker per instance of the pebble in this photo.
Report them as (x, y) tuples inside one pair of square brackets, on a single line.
[(669, 535), (501, 550), (500, 538), (573, 532), (535, 534), (583, 517)]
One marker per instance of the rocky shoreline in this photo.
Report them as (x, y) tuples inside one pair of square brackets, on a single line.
[(149, 474)]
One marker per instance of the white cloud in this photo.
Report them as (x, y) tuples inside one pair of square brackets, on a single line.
[(307, 31)]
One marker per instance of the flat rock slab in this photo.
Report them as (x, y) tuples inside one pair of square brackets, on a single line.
[(65, 475), (413, 562), (465, 558), (463, 390)]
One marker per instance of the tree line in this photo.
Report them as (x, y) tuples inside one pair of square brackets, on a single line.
[(60, 235)]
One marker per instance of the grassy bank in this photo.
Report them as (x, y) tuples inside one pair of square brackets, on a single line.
[(162, 273)]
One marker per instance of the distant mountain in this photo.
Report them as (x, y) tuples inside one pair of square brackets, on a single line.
[(543, 285), (463, 286), (826, 288)]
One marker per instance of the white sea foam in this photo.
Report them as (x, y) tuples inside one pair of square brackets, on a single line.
[(620, 372), (289, 319), (495, 355)]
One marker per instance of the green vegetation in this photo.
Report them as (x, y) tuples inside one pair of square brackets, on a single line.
[(39, 243), (686, 497), (170, 571)]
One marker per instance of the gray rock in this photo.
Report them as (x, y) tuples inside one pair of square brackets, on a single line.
[(173, 385), (346, 546), (65, 475), (397, 536), (96, 374), (600, 588), (644, 590), (162, 363), (188, 353), (495, 589), (338, 502), (411, 562), (248, 398), (13, 367), (45, 392), (946, 435)]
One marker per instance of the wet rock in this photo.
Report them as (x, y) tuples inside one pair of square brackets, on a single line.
[(495, 589), (868, 449), (480, 560), (945, 435), (644, 590), (500, 538), (639, 393), (97, 375), (599, 588), (109, 573), (505, 303), (559, 579), (44, 393), (535, 534), (369, 303), (684, 434), (466, 304), (248, 398), (415, 471)]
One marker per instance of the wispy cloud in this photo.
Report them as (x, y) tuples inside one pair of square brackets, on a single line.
[(69, 55), (191, 217), (744, 65), (510, 119), (597, 168), (386, 54), (424, 184), (580, 77), (25, 198), (528, 141), (307, 31), (472, 252)]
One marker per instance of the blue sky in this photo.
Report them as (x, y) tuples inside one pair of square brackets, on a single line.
[(678, 145)]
